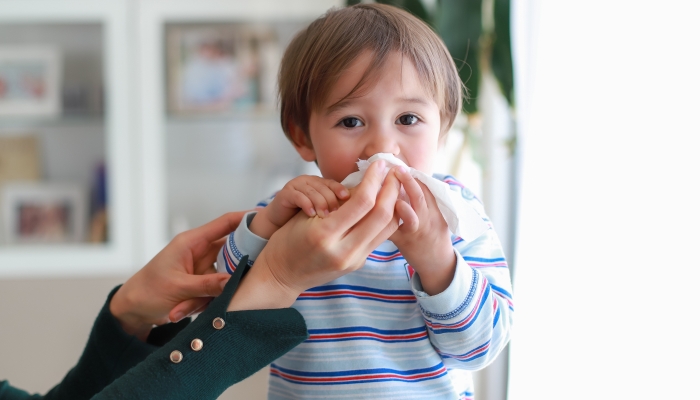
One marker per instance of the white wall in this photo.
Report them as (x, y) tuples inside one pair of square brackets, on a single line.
[(606, 259)]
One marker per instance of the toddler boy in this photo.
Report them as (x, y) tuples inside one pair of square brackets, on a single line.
[(428, 307)]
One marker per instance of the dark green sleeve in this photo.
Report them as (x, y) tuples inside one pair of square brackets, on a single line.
[(108, 353), (8, 392), (248, 341)]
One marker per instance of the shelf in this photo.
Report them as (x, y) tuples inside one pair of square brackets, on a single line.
[(222, 119), (11, 125)]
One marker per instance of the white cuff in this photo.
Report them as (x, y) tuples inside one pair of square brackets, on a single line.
[(240, 243), (246, 241), (453, 300)]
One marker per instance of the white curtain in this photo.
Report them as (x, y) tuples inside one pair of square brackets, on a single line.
[(607, 245)]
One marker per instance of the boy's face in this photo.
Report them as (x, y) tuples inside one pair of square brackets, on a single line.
[(393, 114)]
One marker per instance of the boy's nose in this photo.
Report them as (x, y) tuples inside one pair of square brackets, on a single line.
[(381, 142)]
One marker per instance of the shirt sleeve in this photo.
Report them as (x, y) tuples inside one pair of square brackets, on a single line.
[(470, 322), (216, 350), (238, 244)]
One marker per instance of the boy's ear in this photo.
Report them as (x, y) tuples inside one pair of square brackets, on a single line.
[(302, 143)]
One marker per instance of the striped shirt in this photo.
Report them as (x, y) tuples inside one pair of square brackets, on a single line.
[(375, 334)]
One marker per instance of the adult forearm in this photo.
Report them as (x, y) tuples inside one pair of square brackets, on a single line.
[(230, 346), (260, 289)]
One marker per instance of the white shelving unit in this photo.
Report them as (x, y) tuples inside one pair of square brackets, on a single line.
[(117, 255), (141, 142)]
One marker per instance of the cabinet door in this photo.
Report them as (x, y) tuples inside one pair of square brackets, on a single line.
[(65, 162), (209, 125)]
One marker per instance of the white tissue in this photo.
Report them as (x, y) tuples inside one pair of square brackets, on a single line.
[(462, 220)]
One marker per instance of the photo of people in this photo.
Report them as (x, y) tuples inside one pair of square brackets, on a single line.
[(40, 213), (44, 222), (220, 68)]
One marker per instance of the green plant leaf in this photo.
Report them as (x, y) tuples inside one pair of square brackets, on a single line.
[(459, 24), (502, 58), (415, 7)]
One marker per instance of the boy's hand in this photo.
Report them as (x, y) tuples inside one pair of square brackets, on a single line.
[(424, 238), (312, 194), (307, 252)]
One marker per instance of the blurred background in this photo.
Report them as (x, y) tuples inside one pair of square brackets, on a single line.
[(125, 122)]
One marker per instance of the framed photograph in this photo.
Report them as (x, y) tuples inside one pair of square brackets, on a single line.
[(29, 81), (44, 213), (221, 68)]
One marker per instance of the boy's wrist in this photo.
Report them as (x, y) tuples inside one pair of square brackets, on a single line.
[(261, 225), (436, 272)]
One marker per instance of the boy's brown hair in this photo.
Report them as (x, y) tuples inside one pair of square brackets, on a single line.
[(318, 55)]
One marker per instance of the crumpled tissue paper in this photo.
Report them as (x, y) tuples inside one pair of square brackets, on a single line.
[(462, 220)]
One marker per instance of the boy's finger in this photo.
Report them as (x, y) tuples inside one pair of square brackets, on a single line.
[(409, 222), (340, 191), (408, 216), (428, 195), (330, 201), (303, 201), (413, 190)]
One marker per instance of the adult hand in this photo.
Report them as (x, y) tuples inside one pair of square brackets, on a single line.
[(307, 252), (178, 282)]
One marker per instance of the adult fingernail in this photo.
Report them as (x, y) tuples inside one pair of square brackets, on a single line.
[(344, 193), (403, 170), (178, 316), (312, 212), (381, 164)]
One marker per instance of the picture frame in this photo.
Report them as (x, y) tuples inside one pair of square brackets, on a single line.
[(29, 81), (220, 68), (42, 213)]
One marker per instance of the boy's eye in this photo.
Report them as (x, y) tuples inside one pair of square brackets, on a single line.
[(351, 122), (408, 119)]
